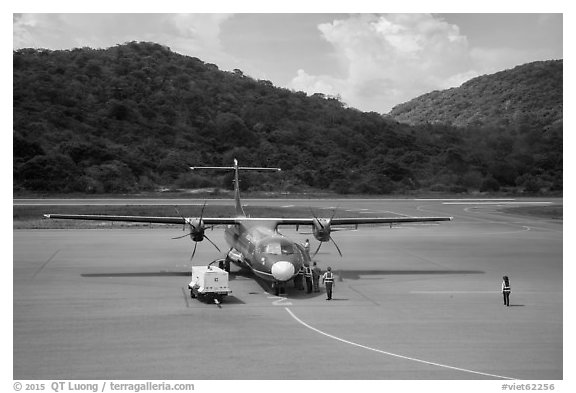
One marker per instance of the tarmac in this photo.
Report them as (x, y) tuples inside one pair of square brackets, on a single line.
[(411, 302)]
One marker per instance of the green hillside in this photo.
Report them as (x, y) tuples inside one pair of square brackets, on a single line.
[(133, 117), (528, 94)]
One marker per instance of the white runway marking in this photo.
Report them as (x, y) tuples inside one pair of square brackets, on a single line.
[(45, 263), (390, 353), (186, 297), (282, 301), (453, 292), (104, 202), (464, 199), (472, 292)]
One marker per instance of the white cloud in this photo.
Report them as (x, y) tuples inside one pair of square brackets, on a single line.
[(324, 84), (391, 59)]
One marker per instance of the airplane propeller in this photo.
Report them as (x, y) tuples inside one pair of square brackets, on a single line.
[(322, 231), (197, 230)]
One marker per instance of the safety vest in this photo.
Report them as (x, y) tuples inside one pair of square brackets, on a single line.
[(329, 277), (301, 271), (307, 271), (505, 288)]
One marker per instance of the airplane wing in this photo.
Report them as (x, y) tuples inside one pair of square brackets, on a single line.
[(233, 221)]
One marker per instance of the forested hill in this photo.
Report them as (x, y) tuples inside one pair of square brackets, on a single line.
[(133, 117), (530, 93)]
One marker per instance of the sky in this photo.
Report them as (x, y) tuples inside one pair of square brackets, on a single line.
[(371, 61)]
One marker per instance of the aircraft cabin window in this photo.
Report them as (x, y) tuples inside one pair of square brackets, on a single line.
[(277, 248)]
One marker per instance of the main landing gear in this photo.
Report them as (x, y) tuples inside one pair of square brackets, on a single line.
[(224, 264)]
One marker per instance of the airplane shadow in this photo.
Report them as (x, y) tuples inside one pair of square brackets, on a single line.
[(355, 274), (138, 274), (290, 291), (234, 274), (162, 273)]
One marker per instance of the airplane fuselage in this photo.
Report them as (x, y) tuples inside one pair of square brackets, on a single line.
[(270, 255)]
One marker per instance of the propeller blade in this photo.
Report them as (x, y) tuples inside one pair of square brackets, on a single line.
[(318, 249), (183, 219), (316, 218), (333, 213), (194, 252), (180, 237), (338, 248), (202, 211), (201, 215), (207, 238)]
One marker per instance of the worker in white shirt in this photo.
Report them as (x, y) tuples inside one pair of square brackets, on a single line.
[(307, 247)]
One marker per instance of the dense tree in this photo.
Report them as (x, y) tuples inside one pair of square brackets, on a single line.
[(52, 172), (530, 95)]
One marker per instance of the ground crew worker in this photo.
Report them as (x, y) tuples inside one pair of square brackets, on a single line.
[(308, 277), (328, 279), (506, 290), (316, 272), (299, 278), (307, 247)]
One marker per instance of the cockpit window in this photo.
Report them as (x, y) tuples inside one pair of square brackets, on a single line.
[(278, 248)]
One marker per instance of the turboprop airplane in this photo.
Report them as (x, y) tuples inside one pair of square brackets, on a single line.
[(255, 243)]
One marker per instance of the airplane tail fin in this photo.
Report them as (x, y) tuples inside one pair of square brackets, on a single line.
[(239, 209)]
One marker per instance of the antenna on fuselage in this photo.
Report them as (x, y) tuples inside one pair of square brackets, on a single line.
[(236, 169)]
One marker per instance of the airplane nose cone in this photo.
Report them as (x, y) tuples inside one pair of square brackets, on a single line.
[(282, 270)]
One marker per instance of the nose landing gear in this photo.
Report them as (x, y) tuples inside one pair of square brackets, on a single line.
[(279, 288)]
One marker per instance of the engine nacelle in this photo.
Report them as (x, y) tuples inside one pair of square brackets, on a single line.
[(321, 230), (197, 229), (235, 256)]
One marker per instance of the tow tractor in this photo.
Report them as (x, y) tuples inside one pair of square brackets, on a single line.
[(209, 283)]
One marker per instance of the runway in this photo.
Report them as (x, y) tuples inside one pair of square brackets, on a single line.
[(412, 302)]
